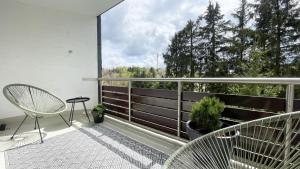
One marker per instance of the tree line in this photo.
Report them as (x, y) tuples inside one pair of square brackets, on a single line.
[(133, 72), (262, 39)]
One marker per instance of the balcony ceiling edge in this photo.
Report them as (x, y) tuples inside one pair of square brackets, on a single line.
[(84, 7)]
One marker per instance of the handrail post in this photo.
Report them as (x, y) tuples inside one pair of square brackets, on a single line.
[(129, 100), (289, 108), (179, 96)]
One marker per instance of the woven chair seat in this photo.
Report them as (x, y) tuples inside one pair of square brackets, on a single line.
[(33, 100), (272, 142)]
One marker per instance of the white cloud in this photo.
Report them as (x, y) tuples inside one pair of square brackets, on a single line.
[(135, 31)]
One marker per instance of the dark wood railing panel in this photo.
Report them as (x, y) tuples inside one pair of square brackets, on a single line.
[(297, 105), (187, 106), (194, 96), (158, 108), (120, 115), (245, 115), (155, 126), (158, 93), (266, 103), (115, 89), (159, 120), (115, 95), (115, 102), (166, 103), (295, 141), (163, 112), (116, 108), (234, 113), (185, 116), (183, 126), (229, 122), (256, 102)]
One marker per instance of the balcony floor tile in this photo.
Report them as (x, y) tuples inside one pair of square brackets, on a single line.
[(83, 145)]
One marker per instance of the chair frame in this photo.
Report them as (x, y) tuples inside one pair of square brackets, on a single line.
[(183, 156), (33, 113)]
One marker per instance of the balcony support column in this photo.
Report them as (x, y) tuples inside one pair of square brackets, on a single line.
[(179, 95), (289, 108), (99, 58), (100, 91)]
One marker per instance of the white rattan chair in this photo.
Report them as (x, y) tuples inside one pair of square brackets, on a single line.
[(272, 142), (35, 103)]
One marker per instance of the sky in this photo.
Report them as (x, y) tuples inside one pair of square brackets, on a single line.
[(137, 32)]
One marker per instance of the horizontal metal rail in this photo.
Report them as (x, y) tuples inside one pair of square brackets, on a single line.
[(282, 81)]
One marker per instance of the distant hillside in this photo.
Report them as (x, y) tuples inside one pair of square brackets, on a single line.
[(131, 72)]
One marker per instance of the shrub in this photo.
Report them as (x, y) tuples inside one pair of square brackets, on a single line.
[(99, 109), (206, 113)]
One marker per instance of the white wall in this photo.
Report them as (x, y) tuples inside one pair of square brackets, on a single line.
[(34, 49)]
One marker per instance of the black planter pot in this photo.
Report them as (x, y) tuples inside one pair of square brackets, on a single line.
[(192, 133), (2, 127), (97, 118)]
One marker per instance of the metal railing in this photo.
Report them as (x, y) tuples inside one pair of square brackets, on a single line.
[(288, 82), (283, 81)]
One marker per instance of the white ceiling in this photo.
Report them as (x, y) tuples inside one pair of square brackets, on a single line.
[(85, 7)]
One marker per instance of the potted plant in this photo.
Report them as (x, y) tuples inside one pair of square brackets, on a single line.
[(2, 127), (205, 117), (98, 113)]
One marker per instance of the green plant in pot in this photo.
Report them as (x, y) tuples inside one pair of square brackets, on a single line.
[(205, 117), (98, 113)]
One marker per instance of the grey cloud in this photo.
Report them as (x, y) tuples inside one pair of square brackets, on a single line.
[(136, 30), (112, 22), (135, 48)]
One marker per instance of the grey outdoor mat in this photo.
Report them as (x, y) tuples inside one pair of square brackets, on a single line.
[(85, 148)]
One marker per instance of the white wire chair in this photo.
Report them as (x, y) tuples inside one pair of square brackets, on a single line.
[(272, 142), (35, 102)]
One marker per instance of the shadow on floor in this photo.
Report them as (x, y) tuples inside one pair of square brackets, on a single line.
[(156, 157), (87, 147)]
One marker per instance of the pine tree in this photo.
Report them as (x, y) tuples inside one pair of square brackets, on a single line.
[(175, 57), (180, 57), (214, 32), (242, 37), (190, 33), (278, 24)]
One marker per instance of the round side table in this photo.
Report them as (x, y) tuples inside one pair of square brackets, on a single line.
[(75, 100)]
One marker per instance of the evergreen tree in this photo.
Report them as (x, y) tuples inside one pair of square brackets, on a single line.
[(214, 32), (278, 30), (191, 31), (242, 37), (175, 58), (190, 36), (269, 47), (180, 57)]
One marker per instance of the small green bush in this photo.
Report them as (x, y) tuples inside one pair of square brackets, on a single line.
[(99, 108), (206, 113)]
